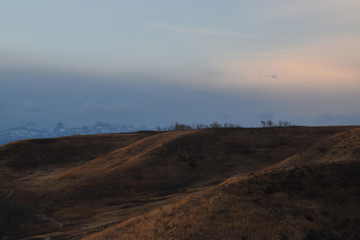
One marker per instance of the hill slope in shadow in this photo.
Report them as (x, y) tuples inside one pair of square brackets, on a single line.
[(36, 153), (93, 182), (169, 162), (314, 202)]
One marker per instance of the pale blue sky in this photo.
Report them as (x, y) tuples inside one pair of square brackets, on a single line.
[(237, 61)]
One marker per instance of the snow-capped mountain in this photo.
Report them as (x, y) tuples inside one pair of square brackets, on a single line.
[(31, 131)]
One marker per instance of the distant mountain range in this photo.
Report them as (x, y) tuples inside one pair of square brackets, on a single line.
[(31, 131)]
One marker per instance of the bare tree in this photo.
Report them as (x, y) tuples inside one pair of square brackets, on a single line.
[(263, 123), (215, 125), (270, 123), (179, 127), (281, 123), (201, 126), (286, 124)]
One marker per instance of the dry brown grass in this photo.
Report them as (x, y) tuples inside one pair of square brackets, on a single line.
[(93, 182), (56, 152), (315, 202), (343, 146)]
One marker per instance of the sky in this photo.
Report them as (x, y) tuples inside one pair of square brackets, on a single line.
[(151, 63)]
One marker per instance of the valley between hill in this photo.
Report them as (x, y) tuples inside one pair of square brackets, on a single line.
[(241, 183)]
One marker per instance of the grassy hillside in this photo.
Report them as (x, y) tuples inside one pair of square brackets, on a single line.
[(170, 162), (343, 146), (91, 183), (15, 219), (317, 202), (35, 153)]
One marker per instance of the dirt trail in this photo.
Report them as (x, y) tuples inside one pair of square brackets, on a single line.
[(10, 193), (42, 216)]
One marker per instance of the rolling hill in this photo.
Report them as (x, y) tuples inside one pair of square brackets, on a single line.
[(283, 183), (318, 202)]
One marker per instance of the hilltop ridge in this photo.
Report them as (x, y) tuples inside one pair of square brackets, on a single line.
[(31, 131)]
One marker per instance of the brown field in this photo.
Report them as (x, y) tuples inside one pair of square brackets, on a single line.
[(242, 183)]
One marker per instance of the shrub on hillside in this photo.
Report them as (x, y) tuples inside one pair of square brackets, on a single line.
[(185, 127), (270, 123)]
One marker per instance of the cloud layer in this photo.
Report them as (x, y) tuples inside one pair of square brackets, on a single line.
[(161, 61)]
